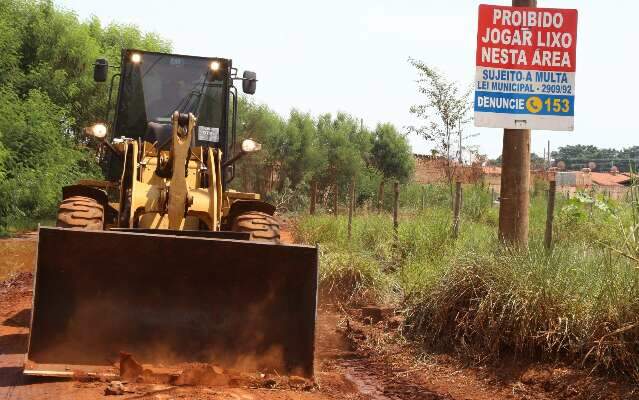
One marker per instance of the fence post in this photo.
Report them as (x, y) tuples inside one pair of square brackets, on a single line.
[(380, 197), (313, 197), (423, 196), (351, 205), (395, 207), (457, 209), (550, 210), (335, 200), (492, 196)]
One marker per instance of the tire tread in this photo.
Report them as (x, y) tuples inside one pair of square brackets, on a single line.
[(80, 212), (261, 226)]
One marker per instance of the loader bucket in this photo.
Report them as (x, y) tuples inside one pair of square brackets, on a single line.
[(165, 299)]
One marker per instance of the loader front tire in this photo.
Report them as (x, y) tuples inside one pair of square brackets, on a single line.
[(261, 226), (80, 212)]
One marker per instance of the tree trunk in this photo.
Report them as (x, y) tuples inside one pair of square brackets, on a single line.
[(515, 184), (515, 179)]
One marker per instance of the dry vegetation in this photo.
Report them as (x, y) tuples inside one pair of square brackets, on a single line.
[(578, 304), (16, 256)]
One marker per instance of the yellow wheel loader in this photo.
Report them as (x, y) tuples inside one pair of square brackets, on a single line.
[(163, 260)]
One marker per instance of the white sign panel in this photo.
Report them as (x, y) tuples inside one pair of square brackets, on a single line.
[(525, 68)]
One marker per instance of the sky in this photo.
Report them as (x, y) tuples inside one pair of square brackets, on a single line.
[(351, 56)]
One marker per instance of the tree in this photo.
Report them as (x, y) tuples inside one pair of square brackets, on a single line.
[(392, 156), (297, 149), (47, 94), (346, 146), (445, 111)]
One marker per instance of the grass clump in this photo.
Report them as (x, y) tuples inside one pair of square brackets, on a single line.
[(533, 304), (350, 271), (578, 303), (350, 278)]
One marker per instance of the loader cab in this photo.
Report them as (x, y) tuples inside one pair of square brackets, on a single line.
[(153, 85)]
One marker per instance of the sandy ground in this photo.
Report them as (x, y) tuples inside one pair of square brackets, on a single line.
[(353, 361)]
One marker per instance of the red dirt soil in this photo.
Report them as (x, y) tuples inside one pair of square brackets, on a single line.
[(353, 361)]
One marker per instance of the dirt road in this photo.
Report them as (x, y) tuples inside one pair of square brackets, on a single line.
[(353, 361)]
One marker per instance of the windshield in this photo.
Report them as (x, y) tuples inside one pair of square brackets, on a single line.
[(159, 84)]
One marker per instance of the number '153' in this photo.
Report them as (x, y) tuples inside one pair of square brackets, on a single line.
[(557, 105)]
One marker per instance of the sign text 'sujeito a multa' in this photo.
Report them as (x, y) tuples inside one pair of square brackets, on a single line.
[(525, 77)]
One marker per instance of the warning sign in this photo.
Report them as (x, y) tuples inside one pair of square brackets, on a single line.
[(525, 76)]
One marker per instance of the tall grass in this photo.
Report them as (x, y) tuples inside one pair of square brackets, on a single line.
[(579, 303)]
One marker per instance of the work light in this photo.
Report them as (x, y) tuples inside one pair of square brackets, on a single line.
[(250, 145), (97, 131)]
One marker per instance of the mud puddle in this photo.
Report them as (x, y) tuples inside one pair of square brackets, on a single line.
[(364, 383)]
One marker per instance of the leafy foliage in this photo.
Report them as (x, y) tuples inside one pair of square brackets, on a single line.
[(391, 154), (47, 95), (445, 112), (445, 109), (331, 151)]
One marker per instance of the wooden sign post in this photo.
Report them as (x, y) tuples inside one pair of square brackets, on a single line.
[(525, 79)]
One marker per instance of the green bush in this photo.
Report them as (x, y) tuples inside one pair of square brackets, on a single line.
[(41, 158), (47, 95)]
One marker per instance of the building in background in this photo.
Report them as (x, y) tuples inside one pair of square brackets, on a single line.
[(430, 169), (437, 169), (613, 184), (433, 169)]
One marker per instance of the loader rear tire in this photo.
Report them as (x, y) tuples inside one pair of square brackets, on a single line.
[(80, 212), (261, 226)]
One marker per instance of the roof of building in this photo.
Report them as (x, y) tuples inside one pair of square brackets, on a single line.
[(608, 179)]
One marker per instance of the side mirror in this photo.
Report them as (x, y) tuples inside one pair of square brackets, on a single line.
[(249, 82), (100, 69)]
